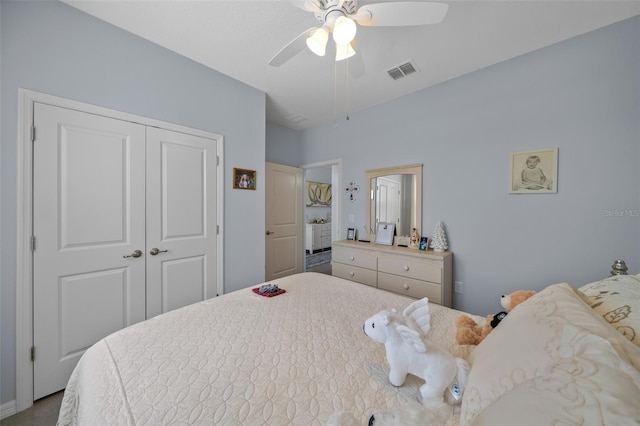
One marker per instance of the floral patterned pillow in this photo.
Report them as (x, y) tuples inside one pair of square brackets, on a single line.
[(617, 299)]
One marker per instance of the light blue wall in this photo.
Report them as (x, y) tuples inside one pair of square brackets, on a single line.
[(52, 48), (581, 96), (283, 146)]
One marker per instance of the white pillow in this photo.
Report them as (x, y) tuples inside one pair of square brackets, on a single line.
[(617, 299), (553, 360)]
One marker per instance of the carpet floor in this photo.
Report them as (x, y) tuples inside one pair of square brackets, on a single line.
[(318, 258), (43, 412)]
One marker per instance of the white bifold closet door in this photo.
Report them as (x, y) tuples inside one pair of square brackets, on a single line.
[(124, 227), (181, 220)]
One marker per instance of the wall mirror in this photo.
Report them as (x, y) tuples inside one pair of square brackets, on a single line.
[(395, 195)]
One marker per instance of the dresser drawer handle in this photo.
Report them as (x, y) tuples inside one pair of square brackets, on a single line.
[(406, 268), (406, 286), (351, 258), (352, 273)]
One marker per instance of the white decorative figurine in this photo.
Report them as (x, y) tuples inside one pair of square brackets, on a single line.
[(439, 239), (408, 353), (414, 242)]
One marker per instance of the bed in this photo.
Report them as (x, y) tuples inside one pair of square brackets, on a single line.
[(301, 356)]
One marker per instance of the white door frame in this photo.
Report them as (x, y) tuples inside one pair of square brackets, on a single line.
[(336, 183), (24, 261)]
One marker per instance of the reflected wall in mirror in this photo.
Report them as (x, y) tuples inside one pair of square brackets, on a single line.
[(395, 196)]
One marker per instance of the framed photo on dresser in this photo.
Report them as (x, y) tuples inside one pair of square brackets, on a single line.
[(351, 234), (385, 233), (424, 243)]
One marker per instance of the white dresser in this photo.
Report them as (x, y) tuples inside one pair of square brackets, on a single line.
[(414, 273), (318, 237)]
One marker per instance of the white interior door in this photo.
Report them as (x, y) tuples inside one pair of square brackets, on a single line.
[(181, 220), (388, 201), (89, 213), (284, 251)]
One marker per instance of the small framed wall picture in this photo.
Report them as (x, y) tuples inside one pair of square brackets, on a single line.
[(244, 179), (534, 172), (385, 233), (351, 234)]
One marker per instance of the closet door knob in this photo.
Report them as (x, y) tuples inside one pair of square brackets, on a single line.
[(136, 253), (154, 251), (406, 286)]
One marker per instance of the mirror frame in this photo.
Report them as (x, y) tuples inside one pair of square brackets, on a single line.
[(413, 169)]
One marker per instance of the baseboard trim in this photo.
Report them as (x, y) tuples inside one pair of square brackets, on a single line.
[(8, 409)]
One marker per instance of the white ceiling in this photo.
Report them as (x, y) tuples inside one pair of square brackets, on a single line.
[(238, 37)]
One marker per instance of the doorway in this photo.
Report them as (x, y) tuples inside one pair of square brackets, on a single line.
[(322, 219)]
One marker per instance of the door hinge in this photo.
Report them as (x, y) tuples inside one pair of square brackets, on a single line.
[(33, 353), (217, 160), (33, 243), (33, 133), (218, 229)]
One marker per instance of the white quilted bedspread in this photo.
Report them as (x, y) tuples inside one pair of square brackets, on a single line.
[(245, 359)]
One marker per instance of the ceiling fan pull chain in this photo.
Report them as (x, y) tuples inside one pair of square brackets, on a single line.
[(347, 96), (335, 93)]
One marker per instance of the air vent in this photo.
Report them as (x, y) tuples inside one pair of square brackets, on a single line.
[(402, 70), (295, 118)]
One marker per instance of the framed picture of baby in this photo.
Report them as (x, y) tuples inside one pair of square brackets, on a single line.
[(244, 179), (534, 172)]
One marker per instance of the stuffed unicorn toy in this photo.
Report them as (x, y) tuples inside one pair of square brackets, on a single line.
[(408, 353)]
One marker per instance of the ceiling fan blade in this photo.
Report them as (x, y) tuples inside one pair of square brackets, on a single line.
[(294, 47), (308, 5), (400, 14)]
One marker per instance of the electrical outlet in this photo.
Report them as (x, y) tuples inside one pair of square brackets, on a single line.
[(458, 287)]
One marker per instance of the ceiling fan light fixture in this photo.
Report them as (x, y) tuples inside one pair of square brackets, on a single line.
[(344, 51), (317, 42), (344, 30)]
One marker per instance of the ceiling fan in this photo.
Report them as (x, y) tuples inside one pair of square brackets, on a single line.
[(339, 17)]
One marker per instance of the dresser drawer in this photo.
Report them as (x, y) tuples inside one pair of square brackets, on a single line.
[(410, 287), (358, 258), (325, 230), (354, 273), (426, 270)]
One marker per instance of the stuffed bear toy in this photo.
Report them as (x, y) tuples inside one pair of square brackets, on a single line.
[(469, 332), (408, 353)]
